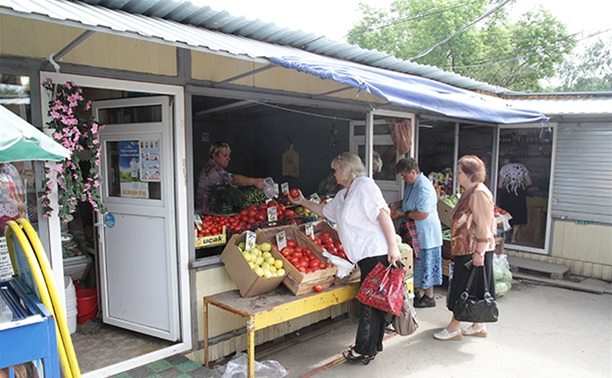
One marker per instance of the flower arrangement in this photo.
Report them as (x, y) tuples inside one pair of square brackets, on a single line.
[(77, 130)]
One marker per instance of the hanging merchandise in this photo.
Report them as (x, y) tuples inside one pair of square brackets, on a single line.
[(401, 133), (291, 162)]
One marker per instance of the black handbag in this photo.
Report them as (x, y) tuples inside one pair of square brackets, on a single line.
[(468, 308)]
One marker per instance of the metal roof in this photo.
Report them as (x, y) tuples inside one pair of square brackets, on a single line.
[(600, 105), (183, 24), (186, 25)]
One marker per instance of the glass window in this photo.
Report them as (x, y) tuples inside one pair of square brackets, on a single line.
[(133, 114), (133, 169), (19, 179)]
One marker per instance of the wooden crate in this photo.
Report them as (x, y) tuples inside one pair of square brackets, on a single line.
[(293, 232), (307, 287)]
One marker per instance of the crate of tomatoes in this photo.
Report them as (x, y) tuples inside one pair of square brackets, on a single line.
[(307, 269), (326, 237)]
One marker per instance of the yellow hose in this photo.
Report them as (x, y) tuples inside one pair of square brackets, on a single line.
[(14, 229), (47, 272)]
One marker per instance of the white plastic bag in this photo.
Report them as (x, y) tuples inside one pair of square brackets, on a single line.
[(345, 267), (501, 274), (238, 365)]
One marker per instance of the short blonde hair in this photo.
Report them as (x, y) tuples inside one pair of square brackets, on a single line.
[(216, 147), (351, 165)]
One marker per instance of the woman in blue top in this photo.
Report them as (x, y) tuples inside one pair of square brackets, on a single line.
[(420, 212)]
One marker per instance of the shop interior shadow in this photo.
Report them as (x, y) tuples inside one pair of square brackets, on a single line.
[(98, 345)]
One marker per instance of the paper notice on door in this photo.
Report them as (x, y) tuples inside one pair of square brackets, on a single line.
[(150, 160), (129, 167), (6, 268)]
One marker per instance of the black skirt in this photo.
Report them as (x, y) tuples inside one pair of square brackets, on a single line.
[(515, 204), (460, 277)]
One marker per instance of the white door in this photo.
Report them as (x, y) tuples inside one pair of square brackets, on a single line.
[(138, 253), (379, 137)]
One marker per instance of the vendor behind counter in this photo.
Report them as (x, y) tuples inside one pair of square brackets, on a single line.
[(214, 176)]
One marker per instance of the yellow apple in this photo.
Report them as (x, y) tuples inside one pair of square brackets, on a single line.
[(265, 246)]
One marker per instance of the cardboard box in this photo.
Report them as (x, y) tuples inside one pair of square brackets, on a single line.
[(323, 226), (446, 267), (499, 245), (409, 282), (444, 211), (293, 232), (447, 253), (446, 249), (249, 283), (407, 260)]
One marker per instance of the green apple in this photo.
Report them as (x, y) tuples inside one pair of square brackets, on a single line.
[(265, 246)]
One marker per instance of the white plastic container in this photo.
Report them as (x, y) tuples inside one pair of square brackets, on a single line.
[(71, 304)]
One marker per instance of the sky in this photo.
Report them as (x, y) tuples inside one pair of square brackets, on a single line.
[(334, 18)]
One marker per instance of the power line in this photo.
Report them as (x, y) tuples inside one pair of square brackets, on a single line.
[(554, 46), (485, 15)]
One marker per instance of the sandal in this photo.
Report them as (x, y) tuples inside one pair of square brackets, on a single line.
[(479, 332), (352, 356)]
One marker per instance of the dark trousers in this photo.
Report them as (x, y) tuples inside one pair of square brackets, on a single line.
[(371, 329)]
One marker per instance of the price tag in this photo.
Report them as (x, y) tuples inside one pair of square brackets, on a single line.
[(250, 240), (310, 230), (314, 197), (272, 214), (285, 188), (281, 240), (198, 222)]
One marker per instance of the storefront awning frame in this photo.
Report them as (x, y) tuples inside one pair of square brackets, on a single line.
[(399, 88)]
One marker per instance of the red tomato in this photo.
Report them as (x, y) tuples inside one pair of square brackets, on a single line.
[(317, 288), (294, 193), (291, 243)]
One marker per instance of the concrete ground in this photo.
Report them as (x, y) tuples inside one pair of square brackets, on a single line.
[(543, 331)]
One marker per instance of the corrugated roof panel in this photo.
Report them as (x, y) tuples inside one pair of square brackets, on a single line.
[(107, 12), (571, 106), (184, 24)]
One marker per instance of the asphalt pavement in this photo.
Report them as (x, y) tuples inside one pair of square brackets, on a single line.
[(543, 331)]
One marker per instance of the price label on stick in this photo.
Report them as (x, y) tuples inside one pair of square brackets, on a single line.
[(310, 230), (272, 214), (285, 188), (250, 240), (281, 240)]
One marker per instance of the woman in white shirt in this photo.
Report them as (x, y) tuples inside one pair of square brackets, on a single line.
[(367, 233)]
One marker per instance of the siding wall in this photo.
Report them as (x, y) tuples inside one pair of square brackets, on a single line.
[(583, 172)]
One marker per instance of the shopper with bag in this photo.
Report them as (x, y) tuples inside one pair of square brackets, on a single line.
[(472, 244), (421, 228), (367, 233)]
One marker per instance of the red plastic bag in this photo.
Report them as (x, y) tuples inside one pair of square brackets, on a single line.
[(383, 289)]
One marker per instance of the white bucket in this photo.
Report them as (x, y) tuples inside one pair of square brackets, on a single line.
[(71, 320), (71, 304)]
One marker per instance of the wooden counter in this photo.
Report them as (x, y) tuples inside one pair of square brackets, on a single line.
[(273, 308)]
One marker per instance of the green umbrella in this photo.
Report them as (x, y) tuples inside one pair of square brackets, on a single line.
[(19, 141)]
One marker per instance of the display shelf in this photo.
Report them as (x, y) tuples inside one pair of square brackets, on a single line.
[(30, 336)]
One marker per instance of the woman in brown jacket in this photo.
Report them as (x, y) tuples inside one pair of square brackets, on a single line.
[(472, 242)]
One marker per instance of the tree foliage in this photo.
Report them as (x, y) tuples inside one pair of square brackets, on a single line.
[(472, 38), (588, 70)]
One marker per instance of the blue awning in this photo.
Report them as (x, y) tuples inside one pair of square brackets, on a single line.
[(413, 91)]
